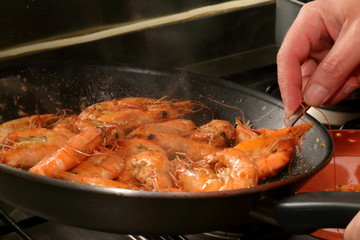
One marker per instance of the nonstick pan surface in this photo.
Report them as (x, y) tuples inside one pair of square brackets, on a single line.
[(50, 87)]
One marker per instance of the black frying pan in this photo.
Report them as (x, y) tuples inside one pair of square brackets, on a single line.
[(47, 88)]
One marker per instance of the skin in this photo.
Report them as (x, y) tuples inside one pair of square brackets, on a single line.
[(319, 60), (352, 231)]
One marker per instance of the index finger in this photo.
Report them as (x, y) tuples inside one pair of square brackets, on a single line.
[(305, 34)]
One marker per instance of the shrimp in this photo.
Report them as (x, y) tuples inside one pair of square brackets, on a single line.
[(95, 181), (149, 170), (224, 170), (219, 133), (177, 145), (24, 123), (146, 164), (114, 132), (273, 150), (76, 150), (105, 163), (72, 125), (244, 132), (180, 127), (27, 147), (67, 126), (132, 112), (137, 145)]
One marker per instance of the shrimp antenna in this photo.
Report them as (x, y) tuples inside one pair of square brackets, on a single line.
[(229, 106)]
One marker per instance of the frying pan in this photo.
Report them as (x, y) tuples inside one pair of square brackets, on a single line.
[(49, 87)]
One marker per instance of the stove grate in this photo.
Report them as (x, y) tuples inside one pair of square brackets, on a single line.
[(12, 226)]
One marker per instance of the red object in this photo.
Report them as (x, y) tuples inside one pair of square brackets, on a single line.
[(343, 169)]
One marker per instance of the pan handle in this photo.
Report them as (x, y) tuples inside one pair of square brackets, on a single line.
[(307, 212)]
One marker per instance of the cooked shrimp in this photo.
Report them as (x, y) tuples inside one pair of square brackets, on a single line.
[(67, 126), (143, 144), (181, 146), (137, 145), (72, 125), (24, 123), (180, 127), (273, 150), (95, 181), (149, 169), (71, 154), (243, 131), (219, 133), (27, 147), (114, 132), (225, 170), (132, 112), (105, 163)]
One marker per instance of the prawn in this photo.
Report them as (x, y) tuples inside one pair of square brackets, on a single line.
[(219, 133), (35, 121), (132, 112), (114, 132), (66, 126), (105, 163), (95, 181), (176, 145), (137, 145), (149, 170), (180, 127), (224, 170), (27, 147), (76, 150), (273, 150), (243, 131)]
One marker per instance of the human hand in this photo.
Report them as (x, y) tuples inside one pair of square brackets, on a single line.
[(352, 231), (319, 59)]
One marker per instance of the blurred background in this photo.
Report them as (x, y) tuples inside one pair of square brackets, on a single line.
[(219, 42)]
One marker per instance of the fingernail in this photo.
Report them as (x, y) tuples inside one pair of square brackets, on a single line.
[(288, 113), (315, 95)]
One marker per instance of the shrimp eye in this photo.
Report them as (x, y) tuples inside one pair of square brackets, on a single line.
[(229, 142), (164, 114), (151, 137), (223, 134)]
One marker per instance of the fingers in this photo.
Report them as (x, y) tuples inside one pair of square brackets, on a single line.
[(352, 231), (296, 48), (319, 60), (333, 79), (290, 91), (350, 85)]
